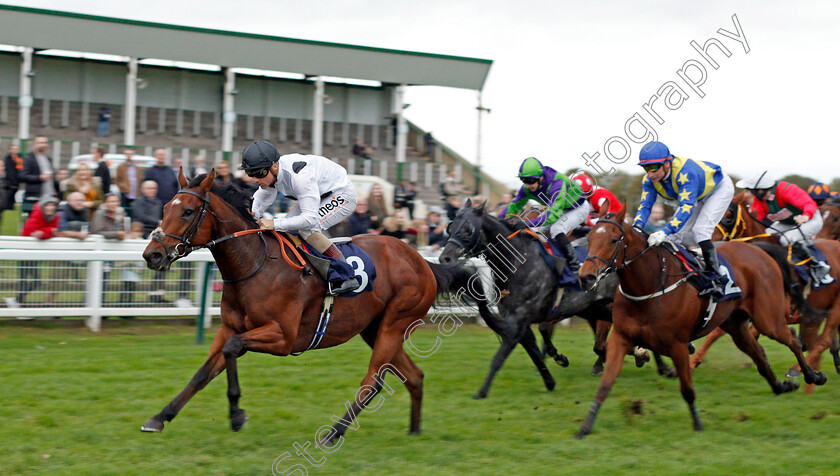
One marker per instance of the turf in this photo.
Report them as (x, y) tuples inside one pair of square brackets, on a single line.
[(73, 403)]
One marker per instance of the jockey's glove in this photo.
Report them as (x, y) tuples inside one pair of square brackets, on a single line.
[(657, 237)]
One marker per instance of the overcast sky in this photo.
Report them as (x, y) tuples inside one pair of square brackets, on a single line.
[(566, 76)]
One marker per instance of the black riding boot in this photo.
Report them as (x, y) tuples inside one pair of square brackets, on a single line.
[(564, 243), (712, 266), (337, 287), (818, 269)]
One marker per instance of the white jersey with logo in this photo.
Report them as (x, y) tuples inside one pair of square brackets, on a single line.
[(320, 186)]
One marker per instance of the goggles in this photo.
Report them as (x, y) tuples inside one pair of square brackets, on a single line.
[(652, 167), (529, 180), (257, 173)]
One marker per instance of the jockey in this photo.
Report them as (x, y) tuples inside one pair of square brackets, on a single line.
[(566, 208), (324, 194), (793, 213), (703, 192), (597, 196), (821, 193)]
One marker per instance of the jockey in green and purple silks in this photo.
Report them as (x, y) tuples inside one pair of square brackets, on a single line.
[(563, 198)]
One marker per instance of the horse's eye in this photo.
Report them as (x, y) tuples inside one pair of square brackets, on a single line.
[(614, 241), (187, 212)]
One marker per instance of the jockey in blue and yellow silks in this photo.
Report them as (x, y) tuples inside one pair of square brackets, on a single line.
[(702, 191)]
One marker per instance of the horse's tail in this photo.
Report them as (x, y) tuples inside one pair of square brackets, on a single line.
[(792, 288), (462, 280)]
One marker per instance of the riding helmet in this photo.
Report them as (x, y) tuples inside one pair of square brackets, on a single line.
[(759, 181), (260, 154), (819, 191), (654, 153), (531, 167)]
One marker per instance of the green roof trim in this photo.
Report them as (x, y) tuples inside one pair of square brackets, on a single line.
[(83, 16)]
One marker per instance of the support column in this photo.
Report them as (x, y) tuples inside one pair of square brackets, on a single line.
[(130, 102), (228, 112), (402, 127), (318, 118), (25, 99), (481, 110)]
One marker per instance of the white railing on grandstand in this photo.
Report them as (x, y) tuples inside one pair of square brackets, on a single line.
[(96, 278)]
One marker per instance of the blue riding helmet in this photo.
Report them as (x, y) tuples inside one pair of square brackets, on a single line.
[(654, 153), (819, 191)]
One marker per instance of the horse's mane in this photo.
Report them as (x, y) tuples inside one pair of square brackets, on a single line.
[(231, 195)]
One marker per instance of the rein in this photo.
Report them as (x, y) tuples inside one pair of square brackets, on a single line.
[(186, 238), (733, 235), (610, 266)]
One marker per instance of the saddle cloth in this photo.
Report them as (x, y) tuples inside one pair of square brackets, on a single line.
[(359, 264), (701, 279), (565, 278)]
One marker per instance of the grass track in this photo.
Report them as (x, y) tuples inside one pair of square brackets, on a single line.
[(81, 398)]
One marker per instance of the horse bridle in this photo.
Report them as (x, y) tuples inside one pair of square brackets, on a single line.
[(610, 265), (478, 245), (185, 240)]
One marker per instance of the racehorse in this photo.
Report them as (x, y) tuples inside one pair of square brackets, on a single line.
[(271, 304), (831, 221), (527, 284), (655, 309), (824, 303)]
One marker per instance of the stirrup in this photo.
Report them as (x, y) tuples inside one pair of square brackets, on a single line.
[(335, 288)]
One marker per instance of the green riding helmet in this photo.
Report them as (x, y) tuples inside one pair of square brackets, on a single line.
[(531, 167)]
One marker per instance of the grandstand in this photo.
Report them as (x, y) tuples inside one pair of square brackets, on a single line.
[(304, 96)]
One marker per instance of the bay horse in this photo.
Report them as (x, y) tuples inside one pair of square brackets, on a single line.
[(831, 221), (528, 287), (821, 304), (655, 309), (271, 304)]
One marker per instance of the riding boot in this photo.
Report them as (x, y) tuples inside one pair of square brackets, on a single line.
[(564, 243), (712, 266), (339, 286), (818, 269)]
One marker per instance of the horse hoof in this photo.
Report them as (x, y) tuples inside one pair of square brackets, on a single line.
[(698, 426), (837, 368), (597, 370), (819, 378), (562, 360), (581, 434), (691, 349), (152, 426), (792, 373), (550, 385), (642, 357), (238, 419), (479, 396)]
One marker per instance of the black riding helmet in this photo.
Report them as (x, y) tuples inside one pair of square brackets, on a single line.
[(260, 154)]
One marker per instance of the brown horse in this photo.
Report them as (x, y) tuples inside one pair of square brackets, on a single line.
[(740, 225), (831, 221), (655, 309), (272, 305)]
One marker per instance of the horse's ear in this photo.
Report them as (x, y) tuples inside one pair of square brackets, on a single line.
[(621, 213), (181, 179), (207, 183), (468, 203), (604, 210), (481, 207)]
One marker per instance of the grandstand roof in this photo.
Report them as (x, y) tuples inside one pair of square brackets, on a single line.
[(48, 29)]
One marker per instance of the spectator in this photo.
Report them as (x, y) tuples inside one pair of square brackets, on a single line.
[(450, 187), (102, 170), (453, 204), (37, 174), (129, 271), (376, 206), (177, 164), (360, 220), (147, 209), (656, 220), (14, 165), (418, 234), (104, 124), (430, 145), (404, 195), (167, 182), (503, 204), (61, 175), (74, 219), (89, 186), (129, 178), (198, 168), (368, 153), (396, 226), (109, 219), (437, 230), (223, 174), (41, 224), (358, 149)]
